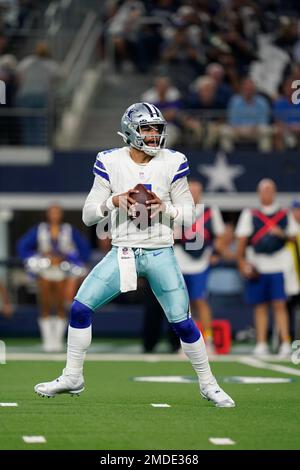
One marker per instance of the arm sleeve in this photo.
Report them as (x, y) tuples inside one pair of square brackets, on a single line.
[(217, 222), (95, 205), (244, 226), (182, 209), (27, 245)]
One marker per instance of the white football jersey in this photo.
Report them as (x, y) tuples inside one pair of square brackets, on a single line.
[(165, 174)]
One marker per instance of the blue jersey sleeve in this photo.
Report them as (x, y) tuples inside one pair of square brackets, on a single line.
[(27, 245)]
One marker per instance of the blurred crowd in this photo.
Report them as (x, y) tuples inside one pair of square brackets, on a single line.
[(30, 84), (29, 81), (224, 70)]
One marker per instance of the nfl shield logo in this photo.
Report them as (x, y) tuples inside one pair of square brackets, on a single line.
[(125, 251), (142, 175)]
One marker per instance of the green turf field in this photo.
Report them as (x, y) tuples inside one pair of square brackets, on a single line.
[(115, 411)]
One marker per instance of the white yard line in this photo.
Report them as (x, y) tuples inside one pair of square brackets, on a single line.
[(260, 364), (160, 405), (34, 439), (221, 441), (18, 356), (8, 404), (139, 357)]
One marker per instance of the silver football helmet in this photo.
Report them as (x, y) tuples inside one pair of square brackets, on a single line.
[(138, 116)]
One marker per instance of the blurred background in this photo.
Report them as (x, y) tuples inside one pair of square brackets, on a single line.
[(69, 69)]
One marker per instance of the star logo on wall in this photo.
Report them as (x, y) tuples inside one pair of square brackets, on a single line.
[(220, 174)]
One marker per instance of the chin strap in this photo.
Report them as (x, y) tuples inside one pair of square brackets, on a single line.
[(126, 140)]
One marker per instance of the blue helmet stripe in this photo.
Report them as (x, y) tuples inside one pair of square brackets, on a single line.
[(155, 110), (148, 107)]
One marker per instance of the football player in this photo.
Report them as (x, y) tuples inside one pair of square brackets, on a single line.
[(135, 252)]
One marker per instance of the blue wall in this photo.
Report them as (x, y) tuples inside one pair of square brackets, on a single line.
[(72, 171)]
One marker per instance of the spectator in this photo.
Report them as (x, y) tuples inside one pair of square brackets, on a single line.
[(123, 30), (231, 31), (167, 98), (224, 91), (38, 75), (182, 58), (288, 33), (248, 119), (229, 63), (204, 98), (9, 124), (287, 118), (9, 10), (55, 253)]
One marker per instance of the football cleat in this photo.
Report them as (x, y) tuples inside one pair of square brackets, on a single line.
[(212, 392), (63, 384)]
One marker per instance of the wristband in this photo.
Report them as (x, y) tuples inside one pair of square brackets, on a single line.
[(109, 203)]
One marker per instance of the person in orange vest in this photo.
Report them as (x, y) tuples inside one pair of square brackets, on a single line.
[(262, 257)]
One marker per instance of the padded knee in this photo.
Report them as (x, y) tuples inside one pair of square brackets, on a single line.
[(186, 330), (80, 315)]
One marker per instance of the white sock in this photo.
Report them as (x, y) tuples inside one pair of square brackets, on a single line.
[(45, 325), (196, 352), (79, 340), (52, 335), (60, 328)]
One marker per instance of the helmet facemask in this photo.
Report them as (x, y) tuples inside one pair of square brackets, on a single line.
[(151, 143)]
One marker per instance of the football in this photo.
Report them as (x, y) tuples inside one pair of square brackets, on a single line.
[(139, 214)]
